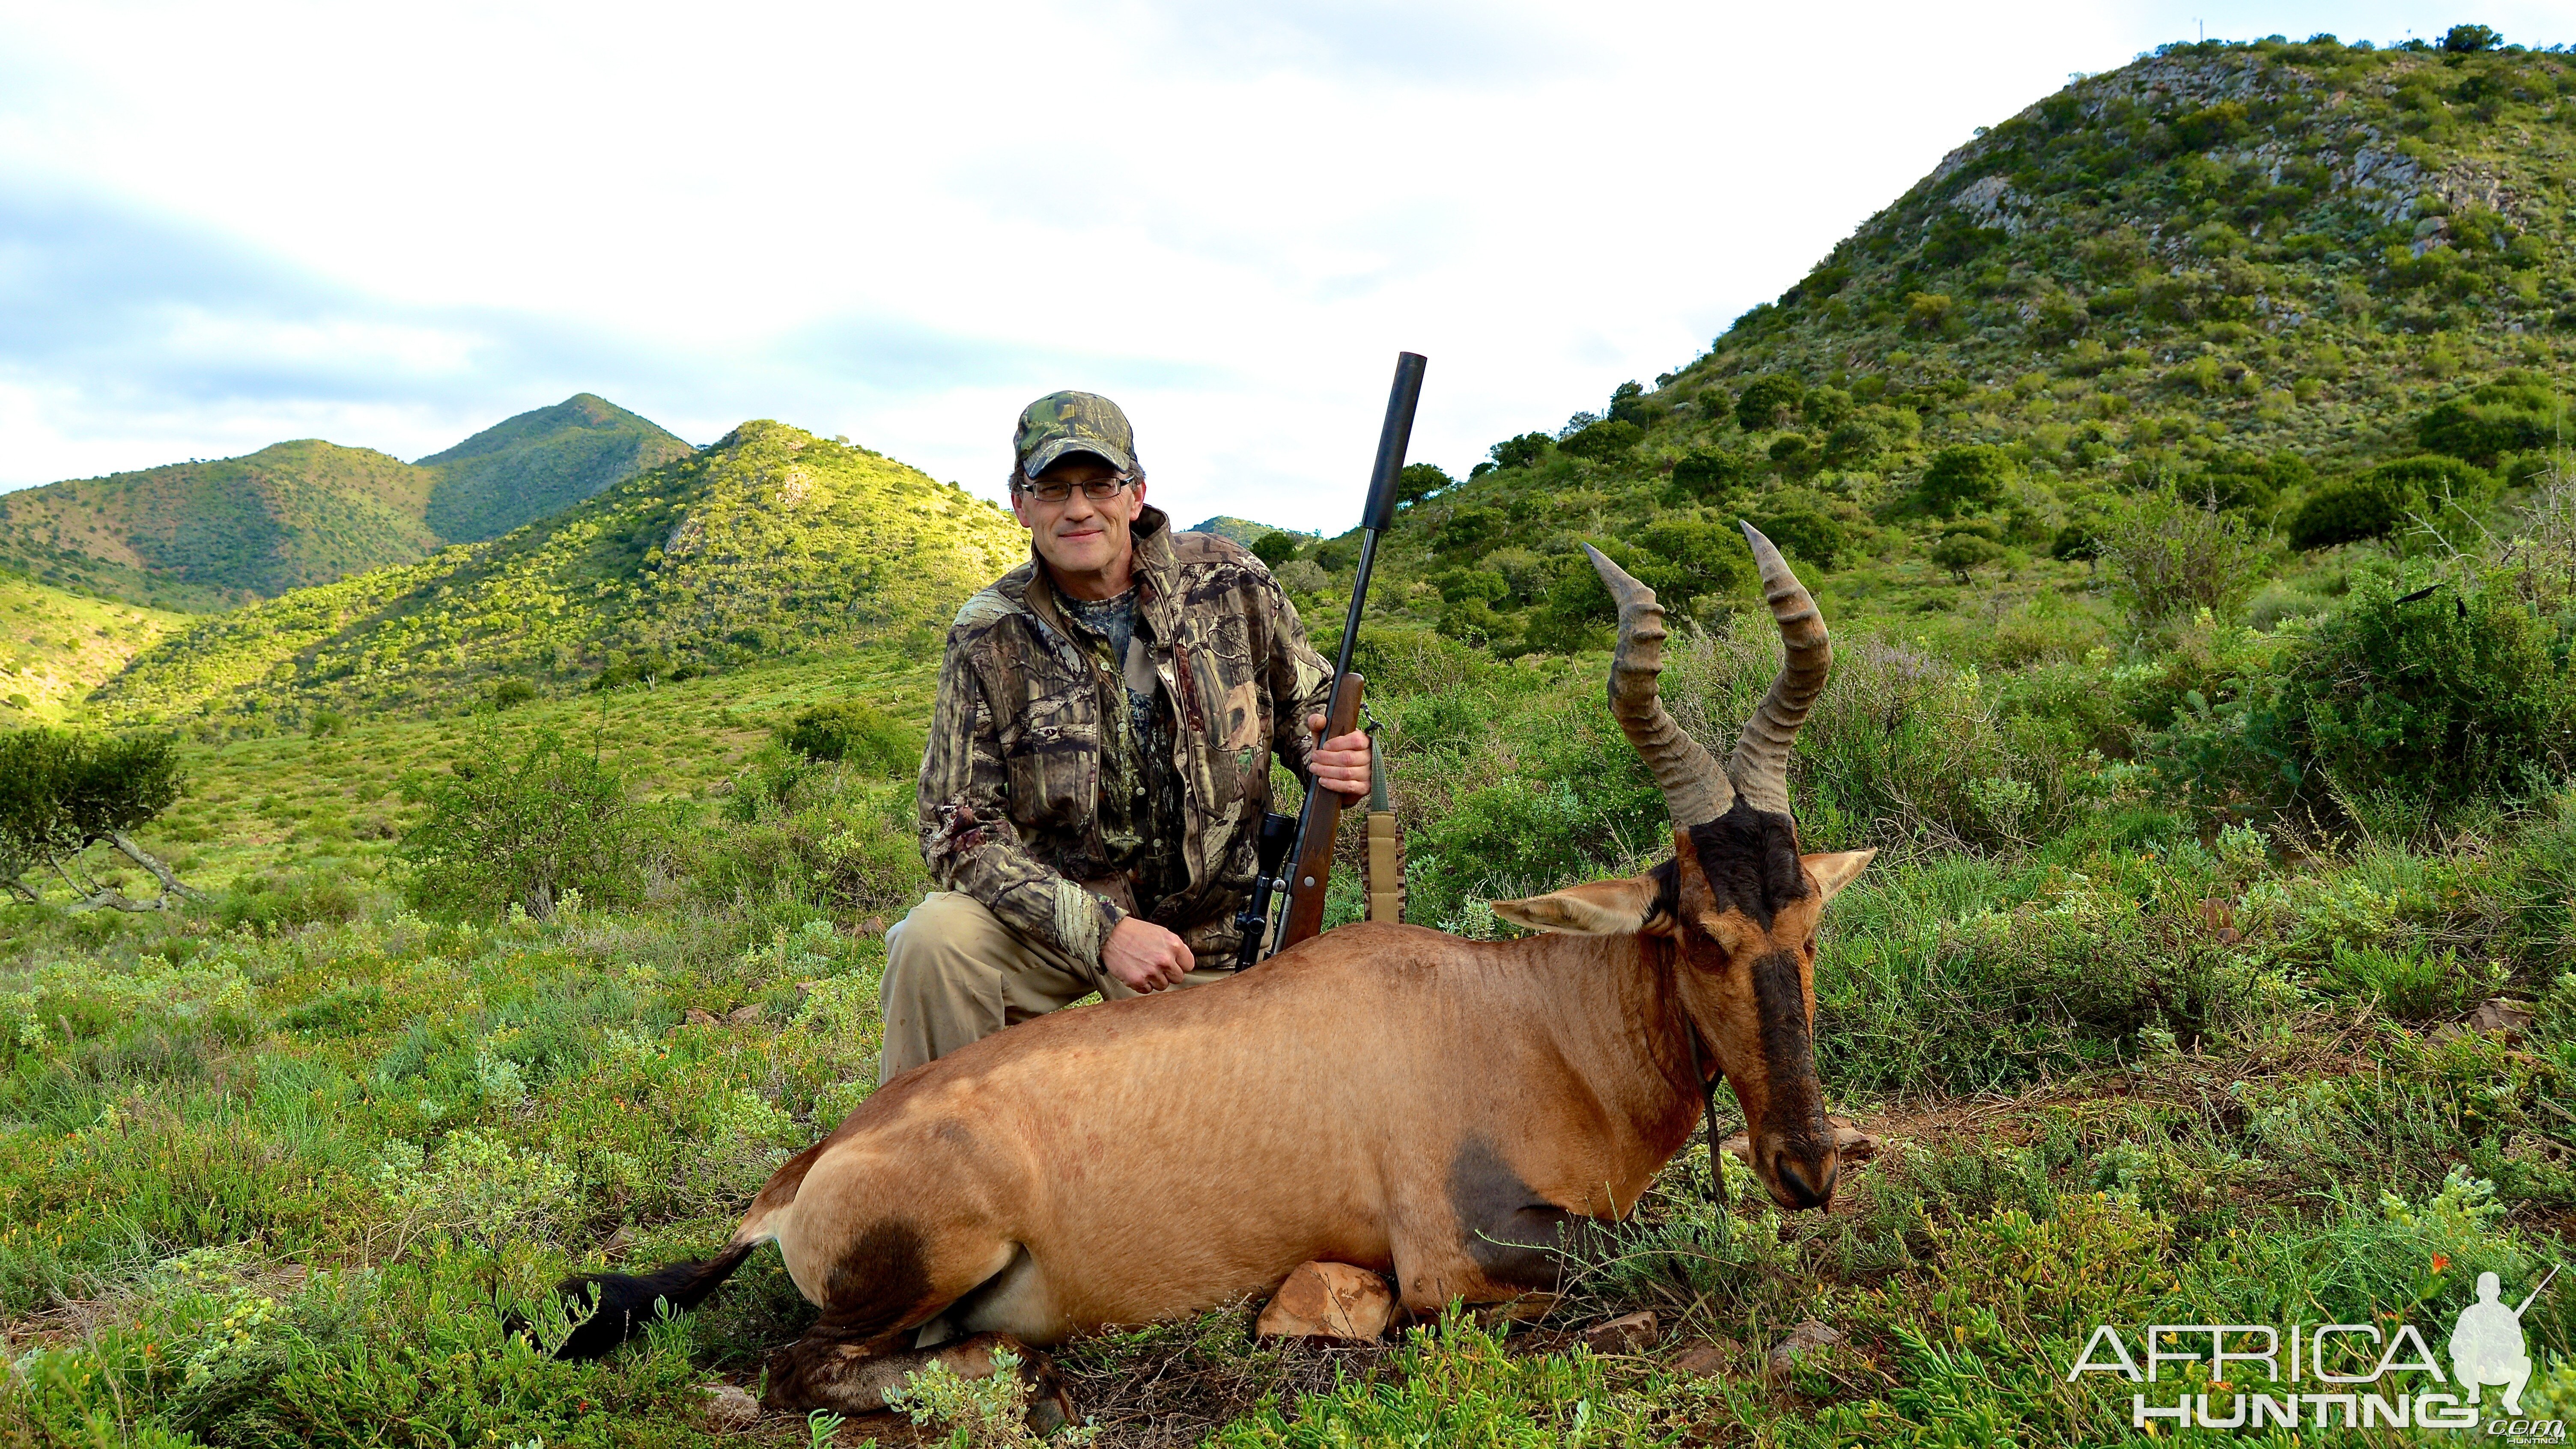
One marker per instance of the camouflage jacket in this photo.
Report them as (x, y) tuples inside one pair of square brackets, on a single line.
[(1010, 786)]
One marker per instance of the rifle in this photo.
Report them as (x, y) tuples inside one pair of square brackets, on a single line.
[(1322, 814)]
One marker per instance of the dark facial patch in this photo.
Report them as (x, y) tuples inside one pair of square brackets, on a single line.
[(1518, 1239), (1750, 860), (880, 1284), (1787, 1047)]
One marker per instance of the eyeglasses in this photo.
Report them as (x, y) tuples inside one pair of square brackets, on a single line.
[(1099, 490)]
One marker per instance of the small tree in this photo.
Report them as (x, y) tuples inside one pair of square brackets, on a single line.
[(1276, 548), (1768, 400), (61, 793), (1414, 483), (860, 734), (1963, 551), (1965, 477), (2469, 39)]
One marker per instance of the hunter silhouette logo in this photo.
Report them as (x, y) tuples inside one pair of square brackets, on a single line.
[(2486, 1344), (2333, 1375)]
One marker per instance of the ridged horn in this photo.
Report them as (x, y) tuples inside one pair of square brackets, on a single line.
[(1760, 764), (1695, 789)]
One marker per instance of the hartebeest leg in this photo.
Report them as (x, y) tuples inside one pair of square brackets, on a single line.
[(821, 1371)]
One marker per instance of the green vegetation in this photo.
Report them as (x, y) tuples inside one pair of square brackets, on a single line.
[(2179, 469), (207, 535), (772, 542), (57, 646), (538, 463)]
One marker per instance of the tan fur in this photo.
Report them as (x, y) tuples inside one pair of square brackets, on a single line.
[(1622, 907)]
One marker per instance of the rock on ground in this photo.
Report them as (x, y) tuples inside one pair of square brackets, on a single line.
[(1328, 1300)]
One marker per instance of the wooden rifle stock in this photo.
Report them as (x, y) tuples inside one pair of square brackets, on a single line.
[(1312, 870)]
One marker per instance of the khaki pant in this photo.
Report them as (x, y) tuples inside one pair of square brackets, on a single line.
[(955, 974)]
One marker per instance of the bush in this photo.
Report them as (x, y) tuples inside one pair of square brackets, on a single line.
[(1276, 548), (2513, 414), (1768, 400), (826, 836), (1522, 451), (860, 735), (1707, 473), (2422, 703), (1603, 442), (2166, 557), (1796, 520), (499, 832), (1413, 483), (1964, 477), (511, 693), (1963, 551), (2377, 503)]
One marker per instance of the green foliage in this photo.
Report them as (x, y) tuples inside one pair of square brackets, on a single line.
[(2414, 710), (2469, 39), (856, 733), (1707, 473), (1965, 477), (1767, 401), (1962, 551), (1799, 522), (1276, 548), (986, 1413), (498, 833), (1417, 481), (1603, 442), (60, 792), (1522, 451), (2166, 556), (2515, 413), (538, 463), (2385, 499)]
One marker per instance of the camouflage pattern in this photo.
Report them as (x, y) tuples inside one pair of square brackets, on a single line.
[(1072, 422), (1010, 787)]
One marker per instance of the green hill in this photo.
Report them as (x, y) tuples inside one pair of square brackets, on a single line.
[(1238, 530), (538, 462), (207, 535), (771, 542), (2242, 272), (55, 646)]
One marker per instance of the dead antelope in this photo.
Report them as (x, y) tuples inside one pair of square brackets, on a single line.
[(1432, 1108)]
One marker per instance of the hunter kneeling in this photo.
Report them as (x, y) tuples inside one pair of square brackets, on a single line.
[(1099, 759)]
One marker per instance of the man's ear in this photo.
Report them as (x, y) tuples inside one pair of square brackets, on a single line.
[(1630, 907), (1833, 872)]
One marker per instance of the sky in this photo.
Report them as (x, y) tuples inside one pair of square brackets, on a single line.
[(392, 226)]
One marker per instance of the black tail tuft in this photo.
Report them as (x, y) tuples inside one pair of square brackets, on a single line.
[(626, 1300)]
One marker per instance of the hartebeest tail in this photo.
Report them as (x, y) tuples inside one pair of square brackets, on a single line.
[(1447, 1112), (628, 1301)]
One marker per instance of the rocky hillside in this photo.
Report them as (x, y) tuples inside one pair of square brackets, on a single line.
[(771, 542), (206, 535), (2250, 275)]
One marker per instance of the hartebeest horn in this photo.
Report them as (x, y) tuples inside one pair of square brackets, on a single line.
[(1760, 764), (1695, 789)]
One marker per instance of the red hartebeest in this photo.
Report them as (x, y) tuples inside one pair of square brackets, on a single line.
[(1433, 1108)]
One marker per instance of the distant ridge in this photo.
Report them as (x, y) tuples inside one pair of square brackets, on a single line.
[(1240, 530), (211, 534), (539, 462), (770, 542)]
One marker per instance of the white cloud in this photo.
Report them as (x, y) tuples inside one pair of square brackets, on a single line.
[(901, 222)]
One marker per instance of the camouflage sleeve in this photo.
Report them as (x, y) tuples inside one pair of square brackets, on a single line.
[(1301, 680), (969, 840)]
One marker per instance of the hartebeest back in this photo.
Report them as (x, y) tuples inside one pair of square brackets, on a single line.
[(1433, 1108)]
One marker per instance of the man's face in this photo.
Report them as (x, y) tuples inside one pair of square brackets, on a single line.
[(1080, 535)]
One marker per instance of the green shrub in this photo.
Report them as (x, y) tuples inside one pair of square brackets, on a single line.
[(1707, 473), (2350, 510), (858, 734), (1522, 451), (1962, 551), (1276, 548), (511, 693), (1965, 477), (2515, 413), (1768, 400), (1796, 520), (2429, 701), (1603, 442), (498, 831), (1413, 483), (2166, 556)]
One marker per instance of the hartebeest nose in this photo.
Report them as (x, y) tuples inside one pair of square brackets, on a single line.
[(1796, 1189)]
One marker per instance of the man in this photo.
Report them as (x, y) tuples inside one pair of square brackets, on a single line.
[(1099, 757)]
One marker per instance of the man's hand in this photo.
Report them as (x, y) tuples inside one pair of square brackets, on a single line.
[(1145, 957), (1342, 763)]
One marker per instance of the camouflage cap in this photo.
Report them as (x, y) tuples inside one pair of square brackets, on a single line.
[(1063, 423)]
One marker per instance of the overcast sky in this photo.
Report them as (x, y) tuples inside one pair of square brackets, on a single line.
[(391, 226)]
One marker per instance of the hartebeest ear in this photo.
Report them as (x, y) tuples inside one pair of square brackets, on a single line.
[(1833, 872), (1629, 907)]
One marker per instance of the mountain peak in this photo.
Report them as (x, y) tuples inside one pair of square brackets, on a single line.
[(540, 462)]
